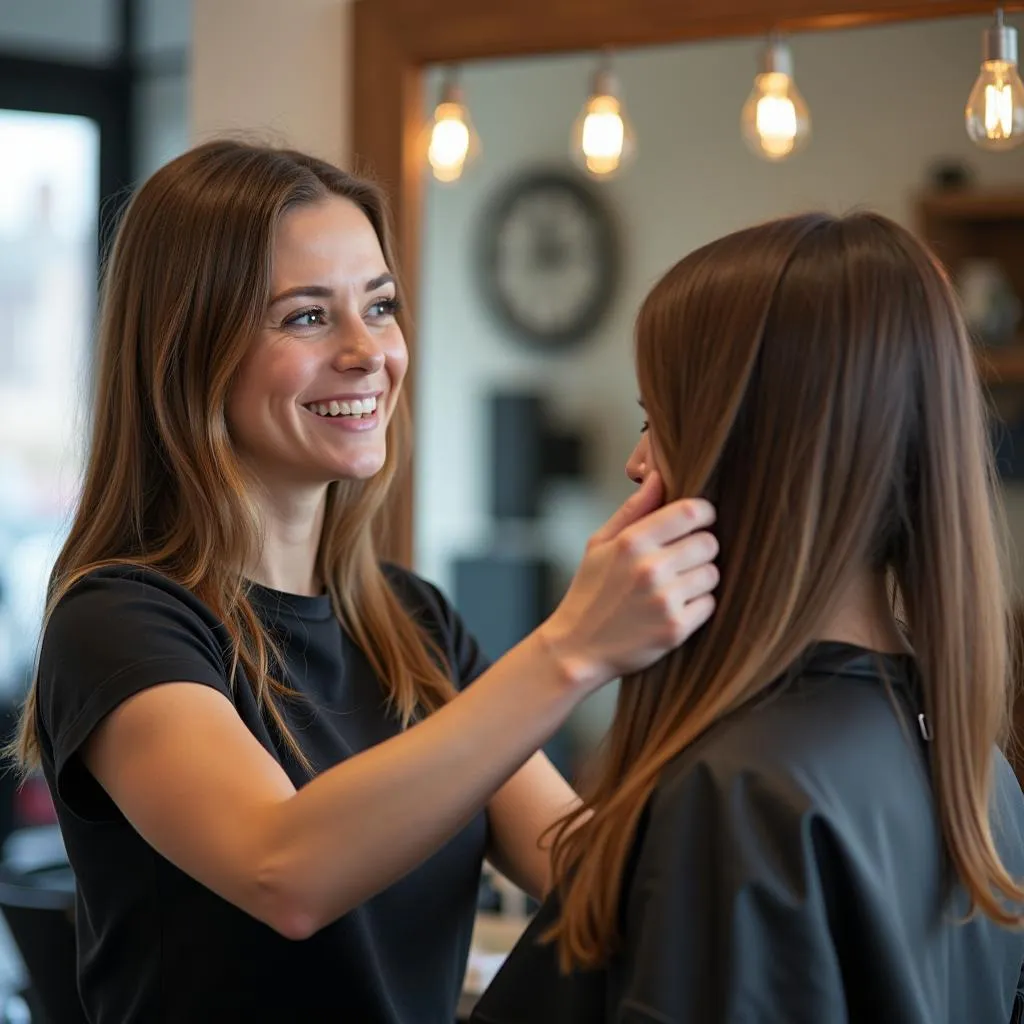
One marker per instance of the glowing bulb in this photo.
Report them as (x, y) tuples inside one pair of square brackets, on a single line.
[(602, 136), (452, 141), (995, 109), (775, 120), (449, 142)]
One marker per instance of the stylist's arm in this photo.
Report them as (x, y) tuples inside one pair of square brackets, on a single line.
[(205, 794)]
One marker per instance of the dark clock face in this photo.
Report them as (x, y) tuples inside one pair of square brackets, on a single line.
[(549, 261)]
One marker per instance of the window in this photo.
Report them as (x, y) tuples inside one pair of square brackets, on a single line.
[(48, 258)]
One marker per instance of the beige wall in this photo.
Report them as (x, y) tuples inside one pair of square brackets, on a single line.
[(275, 69)]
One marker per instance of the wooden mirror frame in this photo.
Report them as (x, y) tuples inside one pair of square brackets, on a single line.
[(394, 41)]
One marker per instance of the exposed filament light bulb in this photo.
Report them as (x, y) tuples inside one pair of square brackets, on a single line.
[(995, 108), (453, 141), (775, 120), (603, 138)]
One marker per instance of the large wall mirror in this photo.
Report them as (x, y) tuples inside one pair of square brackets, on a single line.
[(525, 400)]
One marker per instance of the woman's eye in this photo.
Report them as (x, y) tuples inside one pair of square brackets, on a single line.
[(383, 309), (644, 427), (315, 317)]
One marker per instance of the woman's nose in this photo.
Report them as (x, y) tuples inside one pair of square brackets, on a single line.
[(359, 350), (636, 469)]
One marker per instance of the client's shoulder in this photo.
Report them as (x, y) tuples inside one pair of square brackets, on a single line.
[(839, 728)]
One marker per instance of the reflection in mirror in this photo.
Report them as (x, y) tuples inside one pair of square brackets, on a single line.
[(526, 401)]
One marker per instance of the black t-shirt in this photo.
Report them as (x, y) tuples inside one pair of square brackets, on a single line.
[(789, 869), (156, 946)]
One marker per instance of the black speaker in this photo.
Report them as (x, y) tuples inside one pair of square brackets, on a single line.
[(502, 597), (525, 453)]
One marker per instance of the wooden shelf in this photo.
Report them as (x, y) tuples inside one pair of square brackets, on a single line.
[(1001, 365), (982, 223), (974, 204)]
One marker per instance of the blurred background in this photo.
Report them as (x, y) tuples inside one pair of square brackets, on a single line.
[(532, 267), (533, 264), (93, 97)]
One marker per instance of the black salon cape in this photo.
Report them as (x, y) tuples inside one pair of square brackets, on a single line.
[(788, 870)]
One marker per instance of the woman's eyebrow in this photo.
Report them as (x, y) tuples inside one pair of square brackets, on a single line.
[(320, 291)]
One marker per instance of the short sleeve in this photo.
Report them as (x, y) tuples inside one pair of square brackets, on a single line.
[(428, 605), (112, 636), (727, 921)]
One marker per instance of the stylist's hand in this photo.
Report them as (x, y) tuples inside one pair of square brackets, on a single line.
[(643, 588)]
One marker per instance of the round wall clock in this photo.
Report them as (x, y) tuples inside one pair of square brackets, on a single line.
[(549, 261)]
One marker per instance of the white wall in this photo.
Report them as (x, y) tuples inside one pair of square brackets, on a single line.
[(273, 70), (885, 103)]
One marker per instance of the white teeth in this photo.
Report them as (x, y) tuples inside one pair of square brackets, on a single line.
[(355, 407)]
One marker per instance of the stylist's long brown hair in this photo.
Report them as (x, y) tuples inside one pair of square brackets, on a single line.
[(812, 377), (185, 290)]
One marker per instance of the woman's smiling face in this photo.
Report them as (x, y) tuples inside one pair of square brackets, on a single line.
[(313, 395)]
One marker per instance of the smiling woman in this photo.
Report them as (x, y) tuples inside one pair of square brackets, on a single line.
[(229, 677)]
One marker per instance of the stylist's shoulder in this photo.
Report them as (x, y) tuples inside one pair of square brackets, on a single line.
[(112, 633), (430, 608)]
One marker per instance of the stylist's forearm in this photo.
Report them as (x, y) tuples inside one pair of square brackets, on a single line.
[(642, 588), (359, 827)]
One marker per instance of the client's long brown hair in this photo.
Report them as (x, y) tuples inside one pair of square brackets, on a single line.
[(812, 377)]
